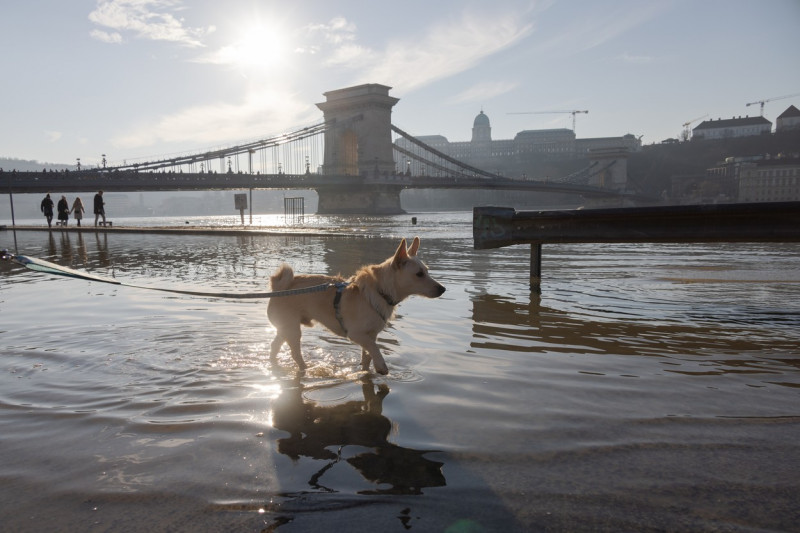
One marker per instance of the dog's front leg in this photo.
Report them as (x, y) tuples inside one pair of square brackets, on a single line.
[(370, 351)]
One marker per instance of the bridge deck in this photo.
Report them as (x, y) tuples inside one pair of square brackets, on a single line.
[(129, 181)]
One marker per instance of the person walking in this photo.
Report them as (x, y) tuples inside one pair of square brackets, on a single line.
[(77, 210), (63, 211), (99, 209), (47, 208)]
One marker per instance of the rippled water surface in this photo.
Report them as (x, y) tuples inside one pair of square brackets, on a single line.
[(648, 388)]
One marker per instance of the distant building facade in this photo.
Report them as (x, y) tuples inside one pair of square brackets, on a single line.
[(549, 144), (770, 180), (788, 120), (732, 127), (759, 178)]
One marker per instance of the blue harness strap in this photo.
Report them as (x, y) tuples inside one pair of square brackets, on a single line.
[(340, 286)]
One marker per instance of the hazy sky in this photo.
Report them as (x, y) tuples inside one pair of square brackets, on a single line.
[(134, 78)]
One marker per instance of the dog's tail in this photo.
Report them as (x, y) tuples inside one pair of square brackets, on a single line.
[(282, 278)]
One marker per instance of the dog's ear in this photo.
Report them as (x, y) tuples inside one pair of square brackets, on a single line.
[(412, 250), (400, 255)]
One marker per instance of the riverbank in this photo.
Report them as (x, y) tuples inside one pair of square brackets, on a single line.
[(176, 230)]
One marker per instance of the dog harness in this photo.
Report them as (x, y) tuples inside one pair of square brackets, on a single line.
[(337, 300), (340, 286)]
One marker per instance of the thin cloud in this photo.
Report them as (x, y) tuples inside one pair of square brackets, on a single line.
[(145, 19), (443, 51), (635, 59), (484, 91), (593, 31), (106, 37), (337, 31), (209, 124), (353, 56)]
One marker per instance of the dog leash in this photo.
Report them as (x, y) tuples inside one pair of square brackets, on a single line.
[(40, 265)]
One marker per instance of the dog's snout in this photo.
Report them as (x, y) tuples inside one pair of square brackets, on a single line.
[(440, 289)]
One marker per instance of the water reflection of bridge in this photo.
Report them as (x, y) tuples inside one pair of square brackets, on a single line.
[(350, 159)]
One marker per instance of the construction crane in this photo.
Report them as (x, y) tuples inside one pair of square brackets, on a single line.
[(573, 113), (762, 102), (686, 127)]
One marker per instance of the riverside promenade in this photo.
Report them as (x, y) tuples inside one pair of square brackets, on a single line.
[(172, 230)]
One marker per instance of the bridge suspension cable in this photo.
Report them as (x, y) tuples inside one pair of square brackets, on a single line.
[(300, 156), (442, 161), (455, 168)]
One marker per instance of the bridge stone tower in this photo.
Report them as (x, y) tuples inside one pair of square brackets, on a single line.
[(358, 143), (611, 173)]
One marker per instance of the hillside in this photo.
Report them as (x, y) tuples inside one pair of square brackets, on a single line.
[(26, 165), (650, 170)]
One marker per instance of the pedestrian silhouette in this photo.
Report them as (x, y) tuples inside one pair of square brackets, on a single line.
[(99, 207), (77, 209), (63, 211), (47, 208)]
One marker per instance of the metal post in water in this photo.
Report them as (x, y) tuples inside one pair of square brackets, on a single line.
[(536, 268), (13, 220), (251, 204), (11, 200)]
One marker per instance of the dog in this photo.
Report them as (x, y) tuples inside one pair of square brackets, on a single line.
[(357, 309)]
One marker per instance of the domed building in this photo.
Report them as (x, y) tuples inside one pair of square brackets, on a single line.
[(481, 129), (537, 153)]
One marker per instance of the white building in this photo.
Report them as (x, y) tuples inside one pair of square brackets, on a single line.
[(788, 120), (732, 127), (770, 180)]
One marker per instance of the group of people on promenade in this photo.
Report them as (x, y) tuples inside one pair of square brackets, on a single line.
[(77, 209)]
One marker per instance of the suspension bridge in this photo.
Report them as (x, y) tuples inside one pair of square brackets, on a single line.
[(354, 158)]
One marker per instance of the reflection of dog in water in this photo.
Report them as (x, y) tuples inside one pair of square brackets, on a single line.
[(315, 428), (357, 310)]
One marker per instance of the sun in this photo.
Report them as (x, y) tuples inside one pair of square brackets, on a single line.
[(259, 47)]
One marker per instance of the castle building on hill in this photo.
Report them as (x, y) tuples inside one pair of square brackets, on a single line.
[(727, 128), (509, 156), (724, 128)]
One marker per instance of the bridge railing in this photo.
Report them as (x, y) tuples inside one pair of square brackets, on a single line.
[(496, 227), (75, 181)]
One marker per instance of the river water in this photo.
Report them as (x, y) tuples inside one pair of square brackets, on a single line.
[(648, 388)]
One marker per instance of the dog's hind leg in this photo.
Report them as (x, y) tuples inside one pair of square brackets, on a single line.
[(275, 347), (293, 339)]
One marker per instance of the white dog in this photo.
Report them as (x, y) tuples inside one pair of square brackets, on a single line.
[(357, 308)]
